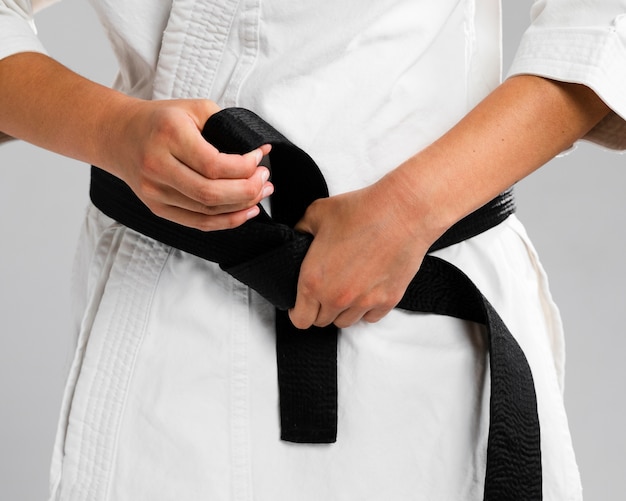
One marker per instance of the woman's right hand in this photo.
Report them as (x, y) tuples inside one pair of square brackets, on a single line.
[(158, 150), (156, 147)]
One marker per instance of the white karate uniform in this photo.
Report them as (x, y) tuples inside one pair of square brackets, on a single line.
[(173, 390)]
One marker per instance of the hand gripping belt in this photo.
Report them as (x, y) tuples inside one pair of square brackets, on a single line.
[(266, 253)]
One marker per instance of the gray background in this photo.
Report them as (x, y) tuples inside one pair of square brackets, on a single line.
[(573, 209)]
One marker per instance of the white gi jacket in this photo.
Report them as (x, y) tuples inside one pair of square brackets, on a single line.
[(173, 392)]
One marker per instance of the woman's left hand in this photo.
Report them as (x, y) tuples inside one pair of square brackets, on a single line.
[(365, 252)]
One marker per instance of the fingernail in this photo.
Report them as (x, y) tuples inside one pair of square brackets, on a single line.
[(265, 175), (252, 212), (268, 190), (258, 155)]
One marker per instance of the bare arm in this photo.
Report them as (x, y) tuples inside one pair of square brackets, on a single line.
[(156, 147), (524, 123)]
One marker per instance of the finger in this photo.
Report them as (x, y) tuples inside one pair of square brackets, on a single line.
[(211, 203), (348, 317), (304, 313), (376, 314), (205, 222), (353, 315), (217, 192), (187, 144), (327, 316), (202, 157), (229, 165)]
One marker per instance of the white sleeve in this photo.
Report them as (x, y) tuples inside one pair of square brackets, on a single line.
[(17, 28), (581, 41)]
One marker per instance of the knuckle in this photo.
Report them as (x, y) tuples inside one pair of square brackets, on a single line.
[(206, 195), (207, 210), (309, 284), (250, 191), (342, 299), (380, 300), (209, 168)]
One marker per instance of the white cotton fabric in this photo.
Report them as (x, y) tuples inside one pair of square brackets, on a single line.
[(17, 29), (173, 391), (581, 42), (173, 394)]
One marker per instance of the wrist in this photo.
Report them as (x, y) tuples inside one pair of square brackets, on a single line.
[(114, 131), (420, 201)]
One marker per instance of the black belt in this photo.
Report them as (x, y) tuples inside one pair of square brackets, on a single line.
[(265, 253)]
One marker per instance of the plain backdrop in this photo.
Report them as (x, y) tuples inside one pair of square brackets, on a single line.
[(573, 209)]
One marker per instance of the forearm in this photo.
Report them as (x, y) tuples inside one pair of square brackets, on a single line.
[(519, 127), (46, 104), (387, 227), (155, 146)]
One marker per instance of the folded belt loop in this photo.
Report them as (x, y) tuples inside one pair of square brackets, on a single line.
[(266, 253)]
